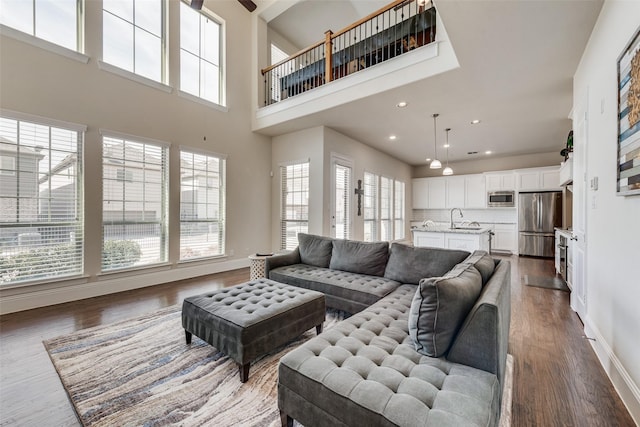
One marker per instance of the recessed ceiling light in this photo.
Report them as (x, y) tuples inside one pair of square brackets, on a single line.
[(401, 104), (392, 137), (446, 145), (475, 122), (428, 159), (487, 152)]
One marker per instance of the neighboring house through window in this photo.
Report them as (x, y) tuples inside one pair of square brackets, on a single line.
[(200, 58), (202, 204), (41, 226), (134, 209), (133, 36), (58, 21), (294, 203)]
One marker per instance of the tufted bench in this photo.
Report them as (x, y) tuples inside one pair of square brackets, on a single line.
[(249, 320), (366, 371)]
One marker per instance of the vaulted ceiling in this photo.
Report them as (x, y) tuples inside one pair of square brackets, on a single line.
[(517, 60)]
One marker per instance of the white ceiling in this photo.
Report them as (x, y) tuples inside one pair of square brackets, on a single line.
[(517, 60)]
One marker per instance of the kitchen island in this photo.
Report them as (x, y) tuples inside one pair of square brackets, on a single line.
[(463, 238)]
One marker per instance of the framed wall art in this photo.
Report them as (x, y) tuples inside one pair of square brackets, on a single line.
[(628, 179)]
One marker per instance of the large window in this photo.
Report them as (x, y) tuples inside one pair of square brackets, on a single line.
[(134, 208), (57, 21), (398, 211), (200, 65), (370, 203), (383, 208), (41, 232), (202, 205), (295, 203), (341, 221), (133, 36)]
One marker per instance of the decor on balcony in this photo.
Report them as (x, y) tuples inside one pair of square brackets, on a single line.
[(628, 179), (435, 163)]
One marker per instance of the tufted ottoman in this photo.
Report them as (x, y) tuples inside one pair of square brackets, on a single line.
[(249, 320)]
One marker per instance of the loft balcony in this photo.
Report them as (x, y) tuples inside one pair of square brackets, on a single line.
[(396, 45)]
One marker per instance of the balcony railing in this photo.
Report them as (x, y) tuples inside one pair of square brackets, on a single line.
[(391, 31)]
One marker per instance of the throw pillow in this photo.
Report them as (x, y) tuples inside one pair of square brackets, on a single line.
[(315, 250), (360, 257), (483, 262), (439, 307), (409, 264)]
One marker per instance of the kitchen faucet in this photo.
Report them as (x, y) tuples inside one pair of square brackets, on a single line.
[(451, 216)]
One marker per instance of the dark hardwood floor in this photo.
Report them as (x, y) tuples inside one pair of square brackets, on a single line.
[(557, 378)]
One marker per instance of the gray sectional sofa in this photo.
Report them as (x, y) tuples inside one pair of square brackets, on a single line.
[(426, 345)]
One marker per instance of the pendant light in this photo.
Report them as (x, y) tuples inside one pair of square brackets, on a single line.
[(435, 163), (447, 170)]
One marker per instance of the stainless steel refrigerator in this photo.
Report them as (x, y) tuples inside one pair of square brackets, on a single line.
[(538, 215)]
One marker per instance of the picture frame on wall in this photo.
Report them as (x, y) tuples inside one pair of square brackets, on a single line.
[(628, 168)]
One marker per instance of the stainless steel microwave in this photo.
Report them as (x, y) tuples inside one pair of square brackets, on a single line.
[(501, 199)]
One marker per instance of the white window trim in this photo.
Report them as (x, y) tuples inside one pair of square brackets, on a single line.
[(281, 198), (25, 117), (338, 159), (105, 66), (43, 44), (202, 101), (133, 138)]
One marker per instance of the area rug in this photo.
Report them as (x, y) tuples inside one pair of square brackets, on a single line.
[(545, 282), (140, 372)]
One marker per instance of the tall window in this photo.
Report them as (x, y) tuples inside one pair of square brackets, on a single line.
[(134, 208), (41, 232), (202, 205), (370, 203), (57, 21), (342, 203), (383, 208), (200, 66), (295, 203), (398, 211), (133, 36)]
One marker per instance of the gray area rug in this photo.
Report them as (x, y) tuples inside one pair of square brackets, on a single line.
[(141, 372), (545, 282)]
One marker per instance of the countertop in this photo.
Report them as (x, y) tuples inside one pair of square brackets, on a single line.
[(444, 229)]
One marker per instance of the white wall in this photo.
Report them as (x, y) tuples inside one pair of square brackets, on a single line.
[(38, 82), (364, 159), (613, 229), (484, 163)]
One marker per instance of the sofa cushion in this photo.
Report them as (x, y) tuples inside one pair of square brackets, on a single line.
[(483, 262), (408, 264), (360, 257), (439, 307), (315, 250)]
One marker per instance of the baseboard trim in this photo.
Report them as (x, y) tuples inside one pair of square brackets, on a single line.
[(29, 297), (622, 381)]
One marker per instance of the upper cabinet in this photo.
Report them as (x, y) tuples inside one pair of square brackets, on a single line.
[(534, 179), (566, 172), (463, 191), (500, 181)]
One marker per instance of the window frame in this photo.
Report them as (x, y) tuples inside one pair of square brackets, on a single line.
[(338, 161), (163, 222), (284, 221), (163, 83), (222, 197), (222, 96), (78, 223), (378, 221)]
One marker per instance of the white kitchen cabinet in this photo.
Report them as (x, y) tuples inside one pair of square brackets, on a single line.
[(535, 179), (500, 181), (420, 190), (437, 193), (428, 239), (566, 172), (504, 238), (455, 192), (475, 194)]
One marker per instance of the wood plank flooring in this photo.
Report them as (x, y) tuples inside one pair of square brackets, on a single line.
[(557, 378)]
